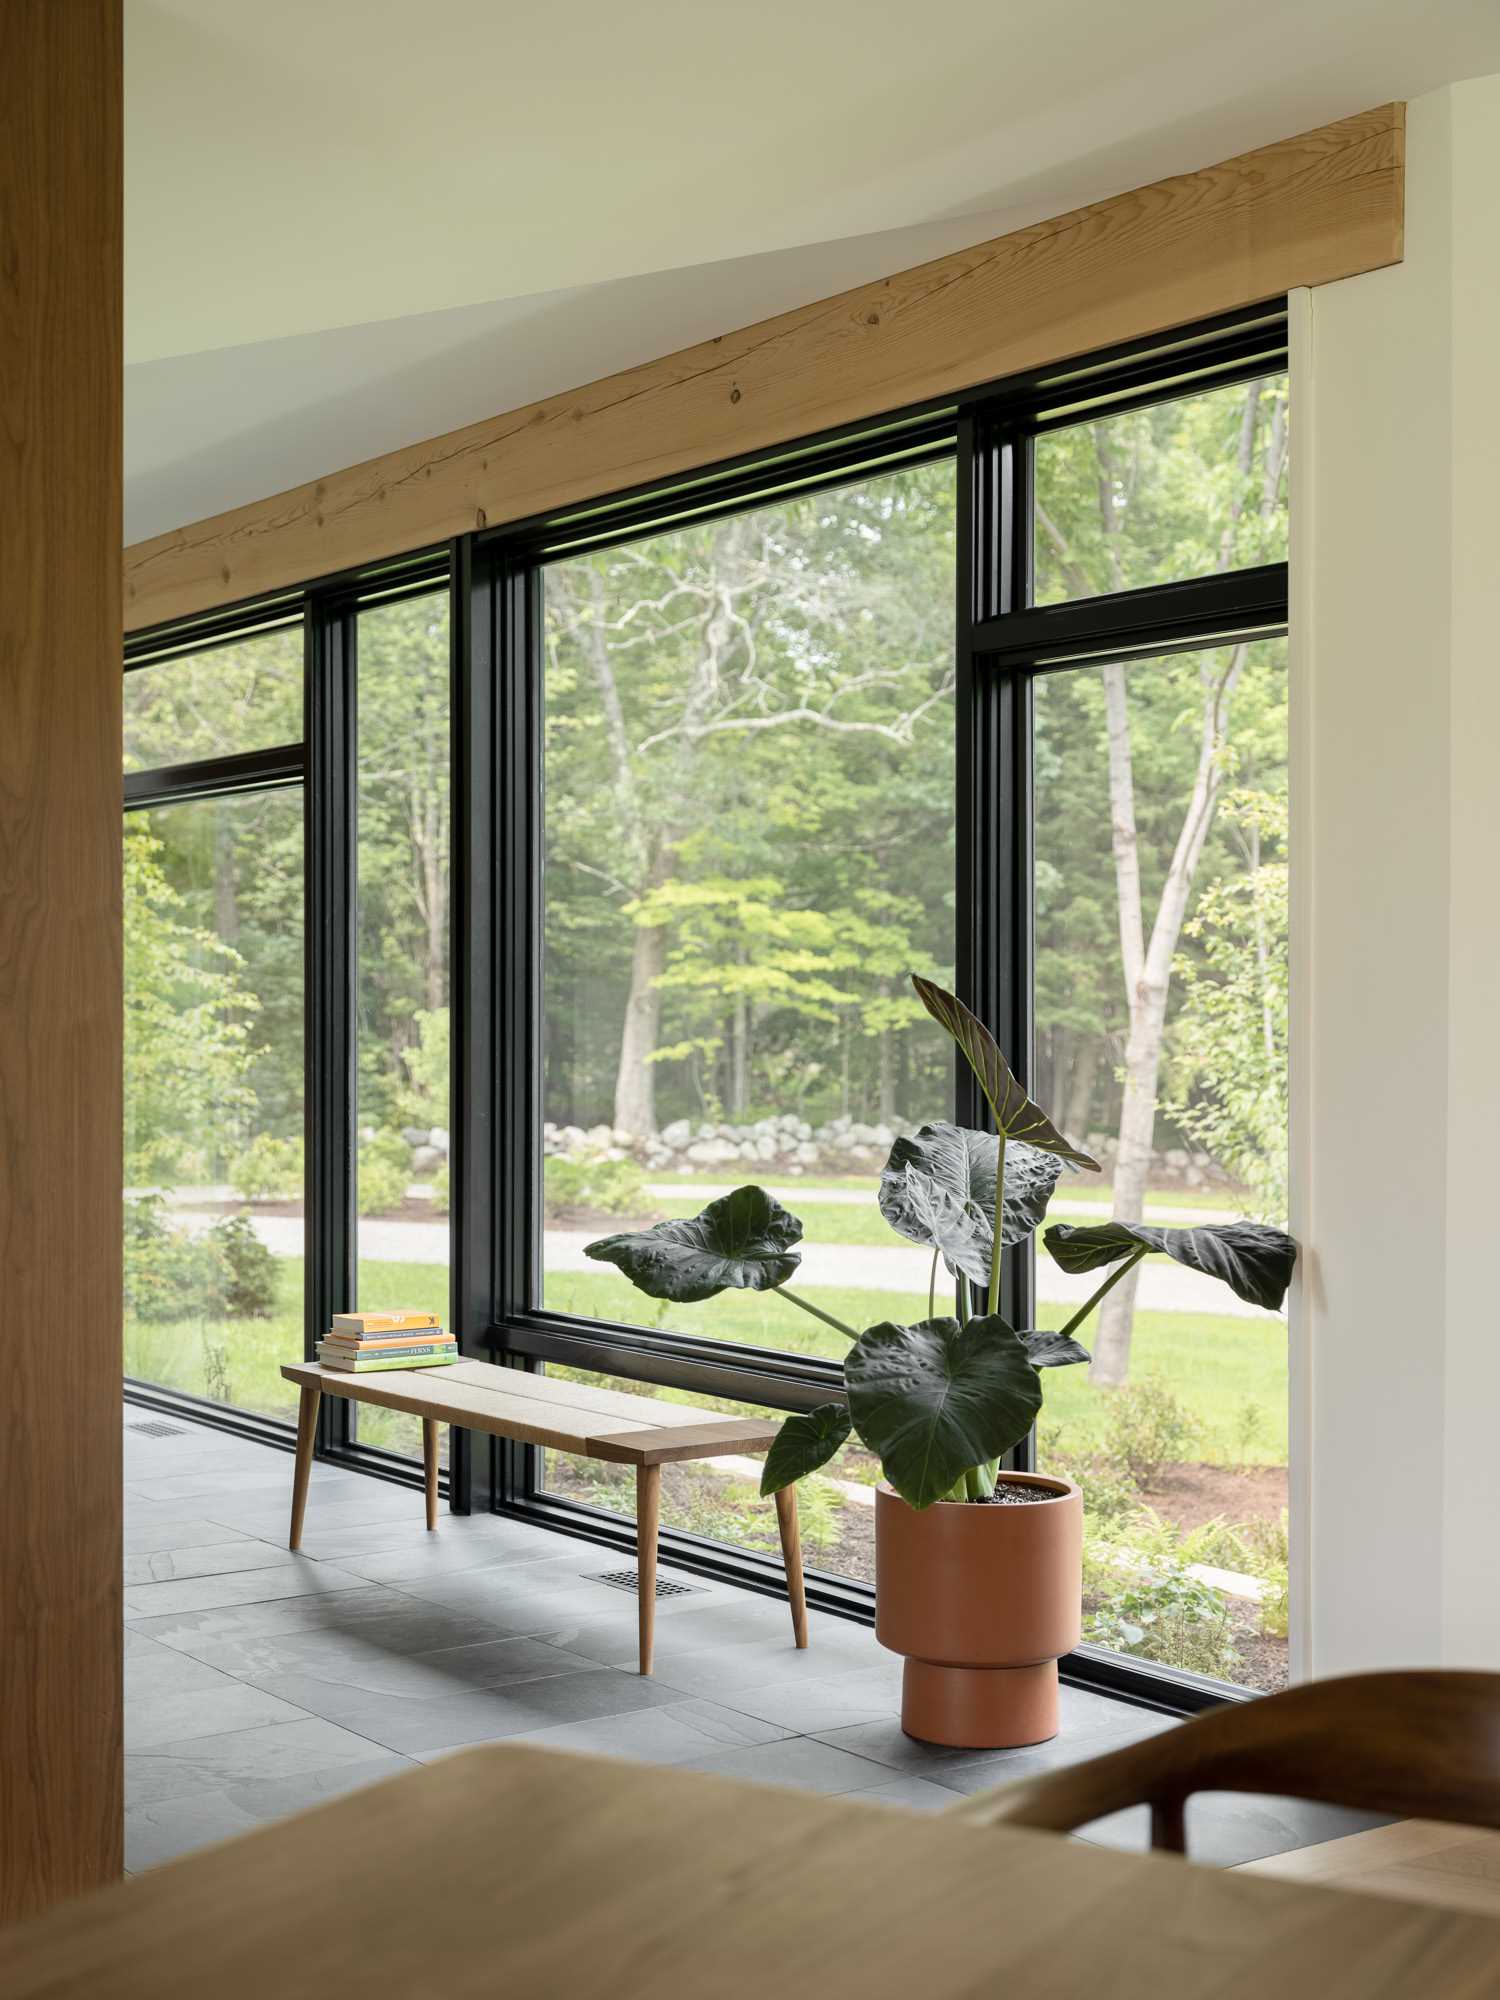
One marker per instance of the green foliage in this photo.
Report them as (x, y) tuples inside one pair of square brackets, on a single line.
[(589, 1187), (439, 1183), (269, 1169), (1230, 1041), (1254, 1260), (246, 1269), (1148, 1428), (384, 1173), (428, 1067), (805, 1442), (186, 1034), (742, 1242), (171, 1275), (935, 1400), (1159, 1614)]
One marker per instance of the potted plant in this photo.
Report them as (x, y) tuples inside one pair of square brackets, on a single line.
[(978, 1572)]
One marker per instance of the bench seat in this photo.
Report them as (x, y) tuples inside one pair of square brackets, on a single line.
[(567, 1416)]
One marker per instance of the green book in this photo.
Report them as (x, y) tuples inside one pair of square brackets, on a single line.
[(409, 1361)]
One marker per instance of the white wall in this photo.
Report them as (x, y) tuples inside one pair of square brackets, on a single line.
[(1396, 1035)]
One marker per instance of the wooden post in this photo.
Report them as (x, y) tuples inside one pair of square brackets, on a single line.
[(791, 1555), (647, 1522), (61, 361), (307, 1431), (430, 1469)]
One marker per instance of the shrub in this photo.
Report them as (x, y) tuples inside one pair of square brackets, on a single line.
[(172, 1276), (601, 1187), (245, 1273), (440, 1199), (384, 1173), (1148, 1429), (1109, 1491), (164, 1267), (1266, 1547), (269, 1169), (1160, 1613)]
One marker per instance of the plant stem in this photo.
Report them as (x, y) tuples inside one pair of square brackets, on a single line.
[(980, 1482), (932, 1288), (998, 1248), (1109, 1283), (816, 1311), (963, 1300)]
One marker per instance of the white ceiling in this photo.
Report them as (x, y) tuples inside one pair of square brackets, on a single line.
[(353, 223)]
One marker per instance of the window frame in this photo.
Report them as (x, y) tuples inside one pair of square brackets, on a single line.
[(1003, 641)]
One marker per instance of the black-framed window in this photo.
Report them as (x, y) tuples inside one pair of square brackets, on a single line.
[(1114, 525), (214, 1020)]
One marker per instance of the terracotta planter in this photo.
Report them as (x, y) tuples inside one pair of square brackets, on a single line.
[(982, 1601)]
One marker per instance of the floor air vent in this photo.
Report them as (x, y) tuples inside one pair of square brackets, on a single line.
[(630, 1579), (153, 1430)]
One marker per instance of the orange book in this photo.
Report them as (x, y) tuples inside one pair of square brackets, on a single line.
[(424, 1335), (367, 1324)]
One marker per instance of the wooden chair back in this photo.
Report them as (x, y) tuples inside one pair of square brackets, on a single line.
[(1422, 1745)]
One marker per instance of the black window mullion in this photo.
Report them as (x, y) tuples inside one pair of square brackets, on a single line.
[(329, 834), (518, 986), (476, 860)]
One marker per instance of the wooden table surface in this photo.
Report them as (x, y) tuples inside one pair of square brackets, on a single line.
[(515, 1869)]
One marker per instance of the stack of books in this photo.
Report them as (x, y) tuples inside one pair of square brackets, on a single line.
[(363, 1342)]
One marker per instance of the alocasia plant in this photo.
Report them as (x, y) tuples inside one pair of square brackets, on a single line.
[(942, 1401)]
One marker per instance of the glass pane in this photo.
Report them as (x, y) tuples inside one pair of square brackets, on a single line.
[(720, 1497), (213, 1097), (1161, 816), (1154, 496), (402, 974), (215, 704), (749, 834)]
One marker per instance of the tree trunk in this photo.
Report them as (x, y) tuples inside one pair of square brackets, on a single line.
[(635, 1080), (1081, 1089), (885, 1071), (739, 1055)]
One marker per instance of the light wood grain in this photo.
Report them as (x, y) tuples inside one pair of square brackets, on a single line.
[(430, 1470), (791, 1556), (1304, 212), (531, 1871), (647, 1526), (533, 1409), (1425, 1860), (1416, 1744), (307, 1428), (60, 1011)]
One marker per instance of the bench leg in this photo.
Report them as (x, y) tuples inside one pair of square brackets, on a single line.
[(430, 1468), (791, 1555), (647, 1522), (307, 1426)]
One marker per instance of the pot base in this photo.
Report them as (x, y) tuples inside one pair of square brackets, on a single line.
[(979, 1708)]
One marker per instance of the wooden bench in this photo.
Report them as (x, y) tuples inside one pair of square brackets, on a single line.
[(538, 1409)]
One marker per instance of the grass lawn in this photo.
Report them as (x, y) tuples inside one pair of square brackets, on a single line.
[(1230, 1372)]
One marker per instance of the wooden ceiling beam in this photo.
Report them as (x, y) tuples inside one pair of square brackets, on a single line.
[(1306, 211)]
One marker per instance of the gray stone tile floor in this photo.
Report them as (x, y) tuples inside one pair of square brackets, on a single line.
[(258, 1683)]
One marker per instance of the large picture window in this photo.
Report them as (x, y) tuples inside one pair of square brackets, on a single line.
[(594, 892), (214, 1035), (749, 844)]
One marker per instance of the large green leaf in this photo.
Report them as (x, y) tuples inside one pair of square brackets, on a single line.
[(924, 1211), (936, 1399), (1046, 1349), (1254, 1260), (803, 1443), (960, 1163), (1014, 1112), (743, 1241)]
